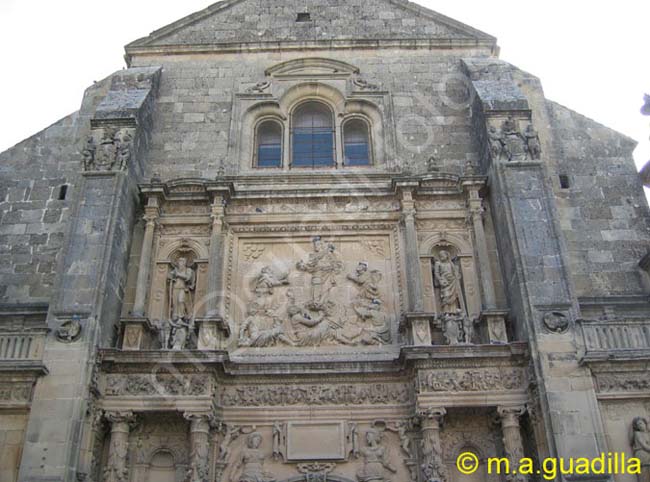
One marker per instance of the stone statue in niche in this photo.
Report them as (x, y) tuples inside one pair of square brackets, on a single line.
[(375, 460), (641, 446), (514, 145), (251, 461), (447, 278), (182, 284), (533, 146)]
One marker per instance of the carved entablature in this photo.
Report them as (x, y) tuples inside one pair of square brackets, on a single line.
[(621, 380), (156, 385), (264, 395), (473, 380)]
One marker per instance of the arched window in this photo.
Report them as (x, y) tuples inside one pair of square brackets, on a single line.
[(269, 144), (312, 136), (356, 143)]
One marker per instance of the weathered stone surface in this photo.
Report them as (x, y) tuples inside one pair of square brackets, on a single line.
[(211, 320)]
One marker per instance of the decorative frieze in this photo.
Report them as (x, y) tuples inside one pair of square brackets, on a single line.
[(156, 385), (623, 382), (472, 380), (317, 394)]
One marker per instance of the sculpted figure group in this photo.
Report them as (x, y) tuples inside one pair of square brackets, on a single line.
[(319, 319), (510, 144)]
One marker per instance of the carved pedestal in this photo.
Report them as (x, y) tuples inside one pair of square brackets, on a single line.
[(418, 328), (136, 333), (495, 322), (212, 332)]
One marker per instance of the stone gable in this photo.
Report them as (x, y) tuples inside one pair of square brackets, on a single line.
[(246, 21)]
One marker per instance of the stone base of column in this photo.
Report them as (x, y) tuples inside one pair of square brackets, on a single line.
[(137, 333), (495, 321), (213, 333)]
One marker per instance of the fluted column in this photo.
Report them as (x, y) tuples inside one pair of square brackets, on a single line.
[(116, 469), (199, 470), (431, 421), (144, 270), (512, 441), (413, 275)]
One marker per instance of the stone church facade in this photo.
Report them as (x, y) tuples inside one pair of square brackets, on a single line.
[(329, 241)]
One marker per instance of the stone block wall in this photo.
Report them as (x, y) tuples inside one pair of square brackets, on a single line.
[(604, 213)]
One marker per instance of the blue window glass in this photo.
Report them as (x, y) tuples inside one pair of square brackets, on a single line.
[(356, 143), (312, 136), (269, 144)]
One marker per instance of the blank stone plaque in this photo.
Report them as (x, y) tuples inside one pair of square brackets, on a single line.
[(315, 441)]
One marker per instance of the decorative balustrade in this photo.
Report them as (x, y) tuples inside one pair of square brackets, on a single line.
[(21, 346), (607, 339)]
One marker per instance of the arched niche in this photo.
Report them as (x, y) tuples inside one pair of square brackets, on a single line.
[(196, 254), (461, 249)]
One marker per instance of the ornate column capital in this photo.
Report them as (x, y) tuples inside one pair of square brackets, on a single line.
[(199, 422), (120, 417), (510, 415), (431, 417)]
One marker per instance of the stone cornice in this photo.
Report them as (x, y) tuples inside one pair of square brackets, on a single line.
[(301, 184), (133, 51)]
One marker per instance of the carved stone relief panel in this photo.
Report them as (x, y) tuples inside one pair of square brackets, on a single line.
[(314, 290), (361, 452)]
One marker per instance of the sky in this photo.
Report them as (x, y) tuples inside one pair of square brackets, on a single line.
[(592, 56)]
